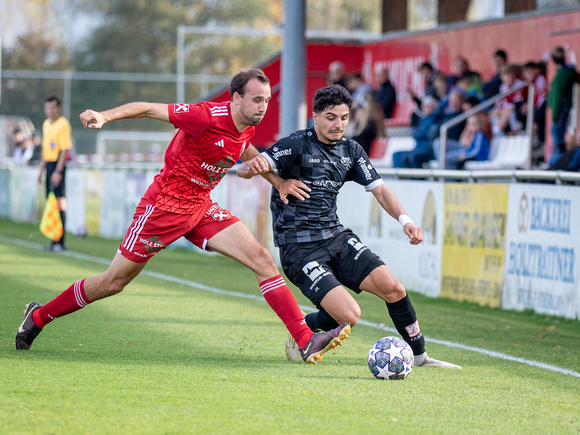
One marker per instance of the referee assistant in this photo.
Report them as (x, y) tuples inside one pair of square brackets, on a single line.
[(56, 143)]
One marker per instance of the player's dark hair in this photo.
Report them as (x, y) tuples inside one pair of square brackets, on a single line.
[(239, 81), (53, 97), (330, 96)]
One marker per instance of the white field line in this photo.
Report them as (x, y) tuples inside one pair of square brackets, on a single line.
[(204, 287)]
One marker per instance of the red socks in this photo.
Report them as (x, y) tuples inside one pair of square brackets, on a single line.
[(69, 301), (282, 301)]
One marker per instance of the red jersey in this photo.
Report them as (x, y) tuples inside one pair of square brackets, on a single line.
[(206, 145)]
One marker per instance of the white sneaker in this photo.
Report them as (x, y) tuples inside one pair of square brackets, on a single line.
[(292, 350), (425, 360)]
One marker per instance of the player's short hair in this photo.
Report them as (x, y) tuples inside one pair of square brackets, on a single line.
[(330, 96), (53, 98), (241, 79)]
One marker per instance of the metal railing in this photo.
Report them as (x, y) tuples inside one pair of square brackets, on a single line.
[(487, 103)]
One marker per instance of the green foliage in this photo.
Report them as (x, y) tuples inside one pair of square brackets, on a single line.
[(164, 357)]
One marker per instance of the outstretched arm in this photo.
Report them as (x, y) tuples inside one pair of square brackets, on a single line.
[(393, 207), (93, 119), (256, 164)]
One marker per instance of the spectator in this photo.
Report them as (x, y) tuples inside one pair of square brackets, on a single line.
[(428, 73), (441, 88), (466, 85), (357, 88), (368, 123), (531, 72), (470, 103), (385, 93), (491, 88), (506, 115), (336, 74), (473, 144), (424, 133), (460, 69), (560, 101), (24, 148)]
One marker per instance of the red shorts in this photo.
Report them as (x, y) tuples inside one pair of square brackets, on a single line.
[(153, 230)]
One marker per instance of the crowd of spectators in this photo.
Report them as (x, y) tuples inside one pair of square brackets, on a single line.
[(448, 95)]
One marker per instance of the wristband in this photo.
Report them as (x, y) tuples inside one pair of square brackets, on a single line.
[(404, 220)]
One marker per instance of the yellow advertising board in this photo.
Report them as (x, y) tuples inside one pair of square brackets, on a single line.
[(472, 265)]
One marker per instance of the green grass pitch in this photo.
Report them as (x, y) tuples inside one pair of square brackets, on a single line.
[(168, 357)]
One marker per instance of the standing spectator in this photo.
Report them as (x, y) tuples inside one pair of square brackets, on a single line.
[(473, 144), (560, 100), (531, 72), (491, 88), (385, 93), (336, 74), (56, 144)]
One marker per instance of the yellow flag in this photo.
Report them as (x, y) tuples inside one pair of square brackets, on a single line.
[(51, 225)]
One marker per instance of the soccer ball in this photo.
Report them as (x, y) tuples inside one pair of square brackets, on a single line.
[(391, 358)]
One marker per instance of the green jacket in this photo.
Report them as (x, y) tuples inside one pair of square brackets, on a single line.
[(561, 90)]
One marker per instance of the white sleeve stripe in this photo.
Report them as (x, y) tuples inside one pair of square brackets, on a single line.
[(270, 160), (374, 184)]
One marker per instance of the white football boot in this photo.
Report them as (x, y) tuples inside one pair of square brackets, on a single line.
[(425, 360)]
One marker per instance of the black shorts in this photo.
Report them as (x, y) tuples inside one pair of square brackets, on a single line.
[(58, 190), (318, 267)]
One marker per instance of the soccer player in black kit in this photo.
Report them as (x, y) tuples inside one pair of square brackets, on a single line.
[(317, 253)]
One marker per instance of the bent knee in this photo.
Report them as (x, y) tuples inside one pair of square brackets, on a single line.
[(352, 316), (263, 260)]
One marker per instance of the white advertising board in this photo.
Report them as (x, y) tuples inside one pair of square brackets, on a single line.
[(76, 215), (417, 267), (113, 222), (543, 241)]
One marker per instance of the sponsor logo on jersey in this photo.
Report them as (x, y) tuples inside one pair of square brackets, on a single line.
[(219, 169), (152, 243), (366, 168), (346, 162), (219, 111), (181, 108), (311, 160), (280, 153), (220, 143), (326, 183)]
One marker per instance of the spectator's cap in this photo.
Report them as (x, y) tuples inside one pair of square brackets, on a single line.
[(430, 100)]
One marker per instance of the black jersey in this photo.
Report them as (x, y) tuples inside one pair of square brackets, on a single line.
[(324, 168)]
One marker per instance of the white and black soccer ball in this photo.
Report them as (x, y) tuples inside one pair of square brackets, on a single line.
[(391, 358)]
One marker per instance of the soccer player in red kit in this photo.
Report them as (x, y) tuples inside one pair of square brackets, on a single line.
[(210, 138)]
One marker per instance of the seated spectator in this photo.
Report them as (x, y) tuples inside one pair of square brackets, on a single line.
[(466, 85), (357, 88), (473, 144), (531, 72), (336, 75), (470, 103), (368, 123), (506, 114), (491, 88), (428, 130), (24, 148), (441, 88), (385, 93), (460, 69)]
